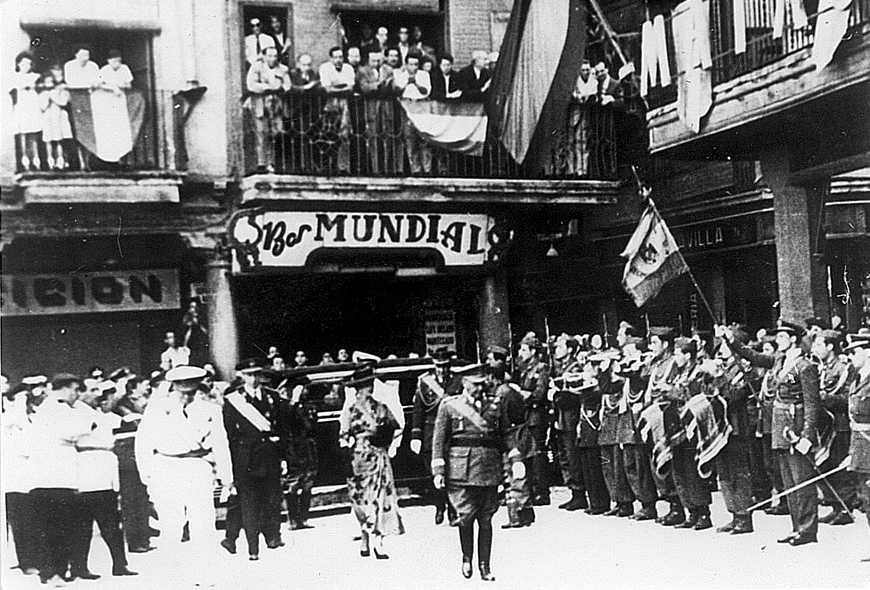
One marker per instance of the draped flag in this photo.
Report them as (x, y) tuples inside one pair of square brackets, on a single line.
[(831, 25), (653, 257), (706, 422), (105, 123), (455, 126), (654, 55), (691, 26), (538, 64)]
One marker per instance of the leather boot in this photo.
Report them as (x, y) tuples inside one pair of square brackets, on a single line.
[(842, 518), (826, 519), (625, 509), (675, 515), (647, 513), (689, 522), (703, 522), (577, 502), (727, 528), (612, 512), (742, 524)]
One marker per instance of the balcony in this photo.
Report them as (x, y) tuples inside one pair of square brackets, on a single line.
[(100, 164), (770, 76), (363, 154)]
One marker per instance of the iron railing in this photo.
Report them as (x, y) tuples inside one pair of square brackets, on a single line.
[(317, 139), (762, 49)]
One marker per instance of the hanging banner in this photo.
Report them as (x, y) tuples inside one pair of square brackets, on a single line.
[(95, 292), (285, 239), (440, 330)]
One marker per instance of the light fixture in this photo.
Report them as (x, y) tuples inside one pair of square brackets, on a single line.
[(552, 252)]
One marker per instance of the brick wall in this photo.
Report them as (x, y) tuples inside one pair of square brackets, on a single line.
[(469, 26)]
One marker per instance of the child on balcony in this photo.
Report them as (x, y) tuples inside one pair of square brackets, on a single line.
[(54, 98), (26, 114)]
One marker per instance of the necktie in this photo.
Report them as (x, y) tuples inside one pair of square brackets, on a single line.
[(259, 49)]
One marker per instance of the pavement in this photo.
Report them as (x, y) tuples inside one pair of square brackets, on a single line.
[(561, 550)]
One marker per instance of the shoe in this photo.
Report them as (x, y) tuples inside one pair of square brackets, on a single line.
[(379, 555), (826, 519), (253, 557), (485, 574), (275, 544), (726, 528), (229, 545), (123, 571), (85, 575), (841, 519), (787, 539), (30, 571), (742, 525), (611, 512), (541, 501), (439, 516), (676, 516), (799, 540), (141, 549), (55, 581), (647, 513), (577, 503), (688, 523), (467, 570), (513, 525), (703, 523), (625, 510)]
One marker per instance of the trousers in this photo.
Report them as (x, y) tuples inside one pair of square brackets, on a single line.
[(134, 508), (692, 490), (260, 503), (100, 506), (22, 518), (183, 492), (613, 469), (732, 465), (518, 496), (637, 462), (761, 484), (540, 477), (54, 527), (593, 477), (803, 504), (771, 466), (569, 459), (843, 482)]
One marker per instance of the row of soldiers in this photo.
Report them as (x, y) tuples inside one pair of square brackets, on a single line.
[(664, 416)]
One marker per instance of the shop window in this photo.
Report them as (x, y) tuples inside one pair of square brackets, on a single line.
[(104, 118)]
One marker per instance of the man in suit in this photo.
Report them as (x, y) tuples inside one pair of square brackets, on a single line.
[(255, 419), (610, 92), (432, 387), (282, 40), (467, 450), (443, 79), (374, 82), (473, 80), (256, 42)]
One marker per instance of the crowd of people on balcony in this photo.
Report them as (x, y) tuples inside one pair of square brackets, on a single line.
[(42, 110)]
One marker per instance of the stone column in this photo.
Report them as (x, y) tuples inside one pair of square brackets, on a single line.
[(222, 331), (801, 275), (493, 309)]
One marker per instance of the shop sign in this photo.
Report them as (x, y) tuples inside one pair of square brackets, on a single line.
[(123, 290), (440, 329), (270, 239), (710, 236)]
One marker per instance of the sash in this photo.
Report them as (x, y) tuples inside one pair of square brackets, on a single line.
[(468, 412), (248, 412), (434, 387)]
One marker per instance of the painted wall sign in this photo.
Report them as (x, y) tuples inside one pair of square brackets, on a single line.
[(440, 329), (282, 239), (123, 290)]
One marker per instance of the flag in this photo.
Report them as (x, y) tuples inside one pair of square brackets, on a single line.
[(454, 126), (106, 124), (831, 25), (653, 257), (690, 22), (539, 62)]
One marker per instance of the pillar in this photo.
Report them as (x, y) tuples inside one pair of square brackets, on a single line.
[(222, 331), (493, 321), (801, 275)]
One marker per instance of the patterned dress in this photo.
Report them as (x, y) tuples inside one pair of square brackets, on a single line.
[(371, 487)]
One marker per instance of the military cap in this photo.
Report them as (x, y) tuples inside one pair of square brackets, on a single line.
[(473, 373), (250, 366), (442, 356), (107, 386), (499, 351), (663, 332), (832, 335), (121, 373), (859, 340), (687, 345), (185, 373), (34, 380), (817, 322), (363, 374), (790, 329)]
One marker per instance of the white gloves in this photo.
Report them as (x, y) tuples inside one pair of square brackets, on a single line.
[(438, 481), (518, 470), (416, 446)]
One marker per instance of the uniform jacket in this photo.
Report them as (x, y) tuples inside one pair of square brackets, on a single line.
[(589, 418), (796, 401), (566, 403), (513, 415), (617, 419), (735, 389), (534, 377), (468, 441), (257, 454), (859, 416), (835, 377), (428, 396)]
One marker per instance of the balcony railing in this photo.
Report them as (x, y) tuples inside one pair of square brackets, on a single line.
[(761, 47), (316, 138), (98, 144)]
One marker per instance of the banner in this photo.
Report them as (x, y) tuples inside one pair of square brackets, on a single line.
[(96, 292), (105, 123), (454, 126), (653, 257)]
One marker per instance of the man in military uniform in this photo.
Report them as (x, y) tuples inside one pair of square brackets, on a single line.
[(256, 423), (859, 418), (567, 406), (533, 379), (432, 387), (467, 450), (793, 430), (518, 493), (180, 444), (585, 387), (835, 376), (302, 461)]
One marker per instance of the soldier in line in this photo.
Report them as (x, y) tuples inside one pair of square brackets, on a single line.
[(567, 406), (794, 419), (835, 377), (585, 387), (533, 379), (859, 418), (467, 459), (432, 388), (255, 419), (518, 490)]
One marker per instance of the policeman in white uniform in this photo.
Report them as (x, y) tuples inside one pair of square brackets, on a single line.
[(181, 448)]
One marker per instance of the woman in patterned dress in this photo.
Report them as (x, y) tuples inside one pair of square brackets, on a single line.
[(369, 428)]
